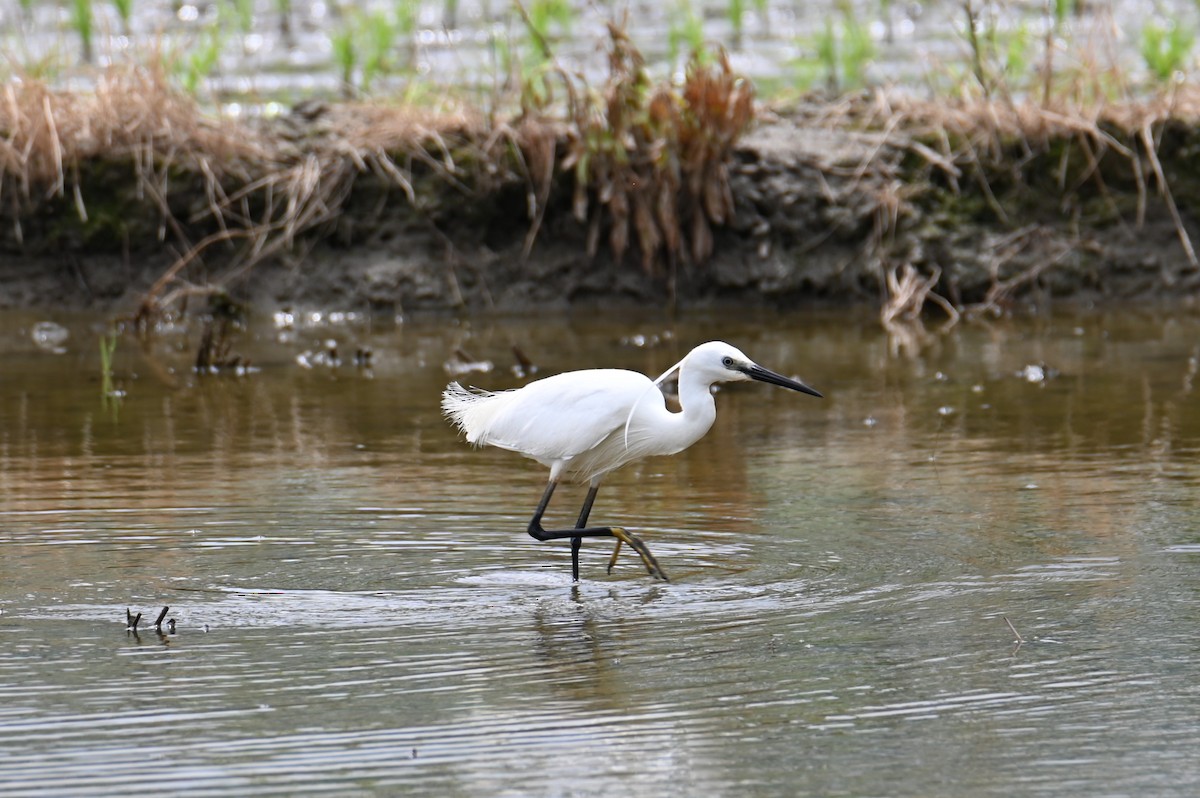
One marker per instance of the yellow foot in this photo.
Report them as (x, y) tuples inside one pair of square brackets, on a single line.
[(637, 545)]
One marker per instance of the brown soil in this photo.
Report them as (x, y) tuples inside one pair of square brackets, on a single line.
[(827, 208)]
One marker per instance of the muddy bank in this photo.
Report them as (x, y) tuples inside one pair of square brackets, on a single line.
[(826, 207)]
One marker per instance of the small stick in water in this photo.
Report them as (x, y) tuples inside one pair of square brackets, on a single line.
[(158, 621), (1016, 634), (131, 620)]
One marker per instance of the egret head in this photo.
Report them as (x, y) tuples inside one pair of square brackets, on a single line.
[(717, 361)]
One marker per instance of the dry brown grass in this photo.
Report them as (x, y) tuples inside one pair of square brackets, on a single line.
[(262, 187), (974, 137), (47, 137)]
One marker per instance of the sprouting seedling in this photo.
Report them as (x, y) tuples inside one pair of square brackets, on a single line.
[(858, 48), (885, 12), (199, 63), (243, 11), (844, 48), (686, 34), (546, 13), (539, 19), (362, 47), (124, 10), (407, 20), (81, 19), (450, 14), (1061, 9), (737, 12), (345, 55), (1016, 53), (407, 13), (379, 32), (1166, 48), (827, 52)]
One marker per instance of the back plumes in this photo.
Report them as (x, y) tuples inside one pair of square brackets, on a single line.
[(468, 409)]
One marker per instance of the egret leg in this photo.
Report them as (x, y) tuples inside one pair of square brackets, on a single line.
[(576, 542), (582, 522), (579, 532)]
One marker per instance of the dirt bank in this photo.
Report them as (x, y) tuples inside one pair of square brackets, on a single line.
[(830, 203)]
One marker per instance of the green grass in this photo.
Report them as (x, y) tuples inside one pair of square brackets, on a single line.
[(83, 22), (1167, 49), (686, 34), (839, 54)]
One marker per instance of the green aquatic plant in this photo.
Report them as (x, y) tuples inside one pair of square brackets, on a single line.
[(1166, 49)]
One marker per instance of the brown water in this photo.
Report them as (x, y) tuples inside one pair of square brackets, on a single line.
[(359, 610)]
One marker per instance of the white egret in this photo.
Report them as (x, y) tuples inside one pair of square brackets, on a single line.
[(584, 424)]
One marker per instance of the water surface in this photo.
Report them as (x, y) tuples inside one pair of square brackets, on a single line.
[(359, 610)]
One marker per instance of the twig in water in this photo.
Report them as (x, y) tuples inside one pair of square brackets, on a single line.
[(131, 621), (158, 621), (1016, 634)]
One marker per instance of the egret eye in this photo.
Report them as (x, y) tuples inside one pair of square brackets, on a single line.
[(727, 362)]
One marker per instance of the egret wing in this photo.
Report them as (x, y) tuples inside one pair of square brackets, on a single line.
[(551, 419)]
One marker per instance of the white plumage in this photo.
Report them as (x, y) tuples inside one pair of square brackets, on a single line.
[(584, 424)]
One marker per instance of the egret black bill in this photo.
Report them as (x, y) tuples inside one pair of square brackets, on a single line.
[(761, 374)]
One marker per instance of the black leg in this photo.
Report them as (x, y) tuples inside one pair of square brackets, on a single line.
[(587, 507), (580, 524), (578, 533)]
